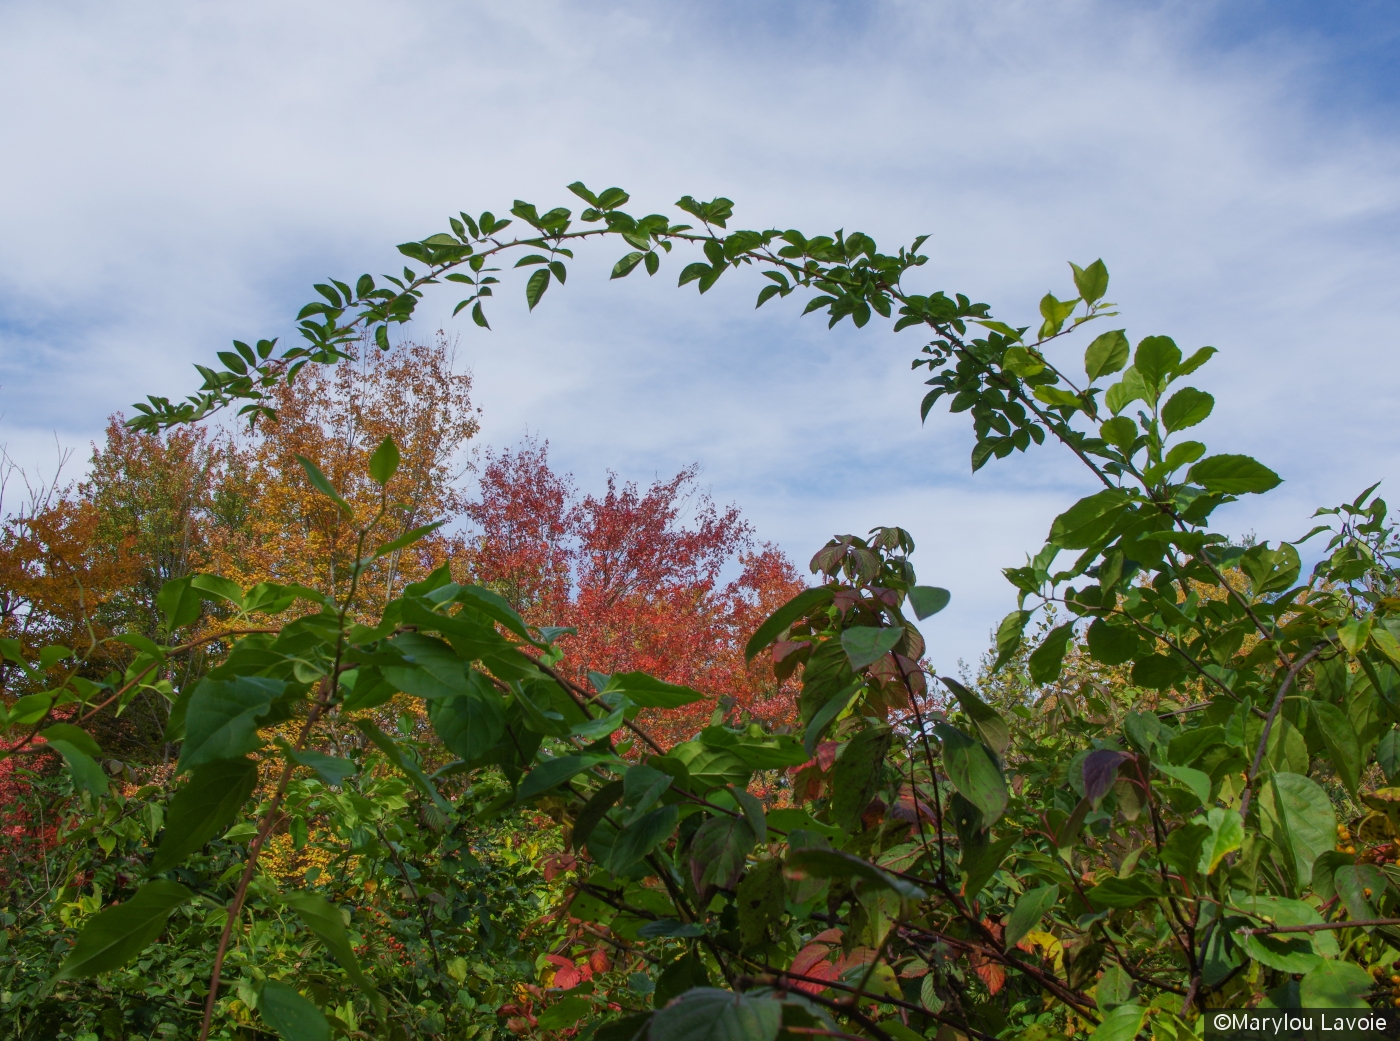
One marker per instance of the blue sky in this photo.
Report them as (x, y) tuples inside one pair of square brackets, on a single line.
[(177, 175)]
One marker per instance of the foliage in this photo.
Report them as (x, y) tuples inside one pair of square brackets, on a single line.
[(1115, 870)]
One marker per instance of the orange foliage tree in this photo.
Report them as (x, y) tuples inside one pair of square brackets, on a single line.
[(640, 574)]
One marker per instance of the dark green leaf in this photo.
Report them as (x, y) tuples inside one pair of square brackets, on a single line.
[(113, 937), (986, 719), (594, 811), (1047, 659), (204, 808), (331, 769), (970, 767), (640, 837), (1340, 738), (472, 723), (718, 851), (1026, 915), (1297, 817), (552, 772), (928, 600), (649, 692), (830, 863), (803, 604), (857, 776), (565, 1012), (291, 1015), (535, 287), (1233, 475), (761, 901), (1335, 984), (222, 718), (324, 919), (86, 773), (1159, 671), (407, 766), (1112, 644), (1088, 520), (75, 737), (1124, 892), (864, 645)]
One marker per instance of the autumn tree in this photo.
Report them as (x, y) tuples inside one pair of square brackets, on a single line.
[(641, 574)]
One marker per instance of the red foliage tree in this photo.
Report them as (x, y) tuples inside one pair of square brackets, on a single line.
[(640, 574)]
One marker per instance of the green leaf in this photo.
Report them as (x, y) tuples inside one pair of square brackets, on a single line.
[(1106, 354), (179, 602), (1336, 984), (857, 776), (928, 600), (1186, 408), (1195, 781), (224, 588), (706, 1014), (1340, 738), (1088, 520), (1121, 1024), (973, 773), (830, 863), (650, 692), (565, 1012), (406, 766), (753, 812), (995, 733), (77, 737), (1226, 836), (553, 772), (803, 604), (324, 919), (1122, 893), (331, 769), (594, 811), (1296, 815), (535, 287), (469, 724), (711, 768), (1091, 281), (113, 937), (831, 708), (204, 808), (291, 1015), (319, 482), (1158, 671), (681, 975), (1120, 432), (718, 851), (384, 463), (1026, 915), (1287, 952), (1128, 389), (642, 836), (1233, 475), (1156, 359), (1112, 644), (865, 645), (222, 719), (761, 901), (86, 773), (1047, 659)]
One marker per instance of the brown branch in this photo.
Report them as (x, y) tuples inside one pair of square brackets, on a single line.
[(1356, 923), (1288, 679)]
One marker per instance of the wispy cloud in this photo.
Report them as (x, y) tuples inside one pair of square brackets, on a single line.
[(177, 175)]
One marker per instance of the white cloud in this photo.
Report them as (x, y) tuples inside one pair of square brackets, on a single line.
[(177, 175)]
